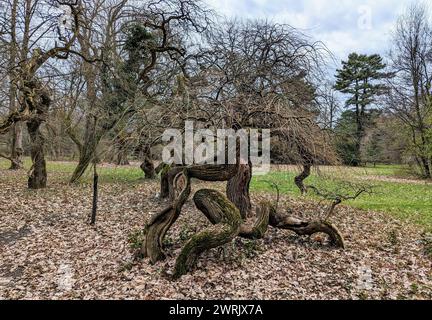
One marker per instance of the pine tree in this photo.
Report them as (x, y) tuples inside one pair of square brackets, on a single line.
[(360, 78)]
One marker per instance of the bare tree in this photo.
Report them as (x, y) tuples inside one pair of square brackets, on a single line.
[(410, 94), (34, 97), (251, 75), (162, 26)]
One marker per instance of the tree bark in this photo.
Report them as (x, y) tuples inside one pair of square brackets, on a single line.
[(161, 222), (211, 203), (16, 146), (426, 167), (306, 228), (299, 180), (38, 175), (17, 150), (149, 169), (148, 165), (164, 193), (238, 190), (163, 169)]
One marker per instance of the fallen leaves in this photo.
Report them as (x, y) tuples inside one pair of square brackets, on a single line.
[(48, 251)]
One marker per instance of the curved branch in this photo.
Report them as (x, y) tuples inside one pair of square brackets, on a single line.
[(211, 203), (307, 228)]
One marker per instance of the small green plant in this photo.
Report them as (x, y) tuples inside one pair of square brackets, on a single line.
[(414, 288), (186, 233), (168, 242), (252, 248), (136, 239)]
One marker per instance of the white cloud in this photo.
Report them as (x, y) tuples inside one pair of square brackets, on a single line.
[(340, 24)]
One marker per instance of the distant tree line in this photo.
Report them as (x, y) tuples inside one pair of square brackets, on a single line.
[(388, 116)]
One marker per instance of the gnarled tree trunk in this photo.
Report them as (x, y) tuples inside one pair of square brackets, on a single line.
[(222, 213), (161, 222), (238, 190), (38, 174), (299, 180), (147, 166), (163, 169), (149, 169), (211, 203)]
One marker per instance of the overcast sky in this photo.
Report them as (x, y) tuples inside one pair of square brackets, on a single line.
[(344, 26)]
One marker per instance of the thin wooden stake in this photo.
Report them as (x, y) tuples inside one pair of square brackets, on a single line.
[(95, 194)]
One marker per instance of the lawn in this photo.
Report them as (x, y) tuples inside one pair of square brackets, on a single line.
[(393, 190), (390, 191)]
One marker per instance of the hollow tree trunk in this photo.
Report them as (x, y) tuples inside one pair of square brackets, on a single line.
[(299, 180), (38, 175), (238, 190)]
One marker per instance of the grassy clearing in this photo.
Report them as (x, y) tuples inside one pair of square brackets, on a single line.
[(406, 199), (61, 171)]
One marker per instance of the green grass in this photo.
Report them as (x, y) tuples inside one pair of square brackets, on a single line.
[(63, 170), (411, 201)]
